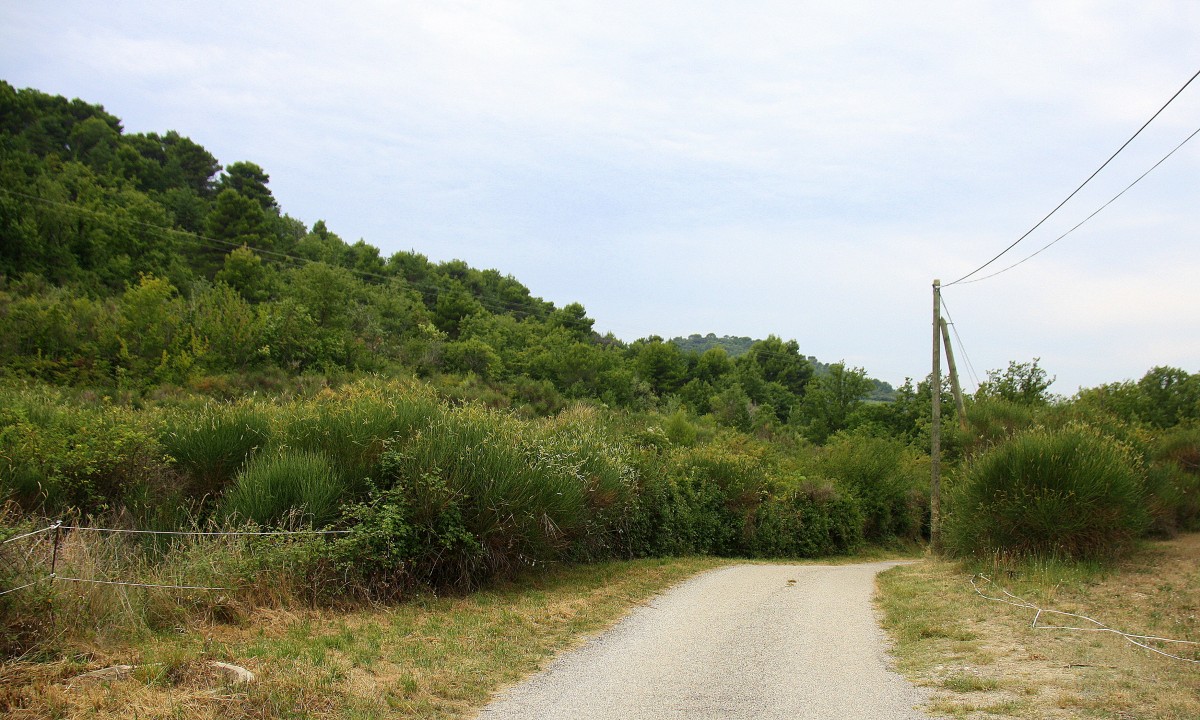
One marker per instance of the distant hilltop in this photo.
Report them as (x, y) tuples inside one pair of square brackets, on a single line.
[(736, 346)]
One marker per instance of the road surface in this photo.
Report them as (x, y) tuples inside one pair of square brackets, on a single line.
[(749, 641)]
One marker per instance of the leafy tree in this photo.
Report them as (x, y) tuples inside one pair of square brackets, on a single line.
[(1024, 383), (474, 356), (713, 366), (454, 304), (774, 360), (573, 318), (831, 399), (1168, 396), (229, 330), (150, 332), (321, 245), (250, 181), (661, 364), (236, 219), (244, 272)]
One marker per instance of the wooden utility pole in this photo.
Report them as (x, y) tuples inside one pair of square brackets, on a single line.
[(935, 428), (954, 385)]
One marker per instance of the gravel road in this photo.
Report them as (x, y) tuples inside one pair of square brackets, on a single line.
[(748, 641)]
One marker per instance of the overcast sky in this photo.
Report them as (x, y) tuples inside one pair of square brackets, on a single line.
[(797, 168)]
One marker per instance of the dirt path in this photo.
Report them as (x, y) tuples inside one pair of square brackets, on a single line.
[(749, 641)]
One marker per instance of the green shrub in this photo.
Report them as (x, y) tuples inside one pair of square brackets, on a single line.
[(272, 486), (1072, 492), (1173, 481), (698, 500), (992, 420), (56, 456), (812, 520), (889, 480), (679, 429), (408, 535), (521, 500)]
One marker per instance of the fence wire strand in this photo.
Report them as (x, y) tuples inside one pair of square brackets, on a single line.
[(133, 584), (29, 534), (16, 569), (1133, 638), (205, 532), (22, 587)]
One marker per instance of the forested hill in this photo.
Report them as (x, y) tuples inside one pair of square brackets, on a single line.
[(136, 259), (734, 346)]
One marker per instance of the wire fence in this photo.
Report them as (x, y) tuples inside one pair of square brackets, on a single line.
[(1141, 641), (32, 558)]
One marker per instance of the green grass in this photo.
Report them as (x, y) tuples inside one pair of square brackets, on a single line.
[(210, 447), (275, 486)]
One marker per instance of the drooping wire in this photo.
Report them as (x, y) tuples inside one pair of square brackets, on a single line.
[(1081, 186), (962, 348), (1142, 641), (1089, 217)]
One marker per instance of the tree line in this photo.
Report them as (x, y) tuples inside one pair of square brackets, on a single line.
[(133, 260)]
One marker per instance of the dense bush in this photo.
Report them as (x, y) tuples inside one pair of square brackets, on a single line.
[(1071, 492), (522, 492), (1173, 481), (889, 480), (57, 455), (808, 521)]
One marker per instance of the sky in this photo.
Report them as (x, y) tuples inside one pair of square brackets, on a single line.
[(793, 168)]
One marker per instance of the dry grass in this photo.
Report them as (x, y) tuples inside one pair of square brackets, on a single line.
[(434, 657), (984, 660)]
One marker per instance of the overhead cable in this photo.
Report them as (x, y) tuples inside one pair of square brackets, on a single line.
[(1081, 186), (961, 346), (1089, 217)]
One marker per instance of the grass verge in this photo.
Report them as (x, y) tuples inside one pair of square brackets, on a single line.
[(433, 657), (983, 659)]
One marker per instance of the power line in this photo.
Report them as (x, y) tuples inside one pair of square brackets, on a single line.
[(1089, 217), (1081, 186), (961, 346)]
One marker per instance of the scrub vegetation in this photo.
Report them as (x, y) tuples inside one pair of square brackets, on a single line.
[(177, 354)]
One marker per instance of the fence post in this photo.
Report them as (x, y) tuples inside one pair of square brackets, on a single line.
[(54, 571)]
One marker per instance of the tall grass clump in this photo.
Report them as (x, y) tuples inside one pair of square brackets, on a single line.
[(353, 426), (992, 420), (210, 447), (273, 486), (1071, 492), (601, 462), (1173, 481)]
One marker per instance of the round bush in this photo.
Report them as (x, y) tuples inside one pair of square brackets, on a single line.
[(1069, 492)]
